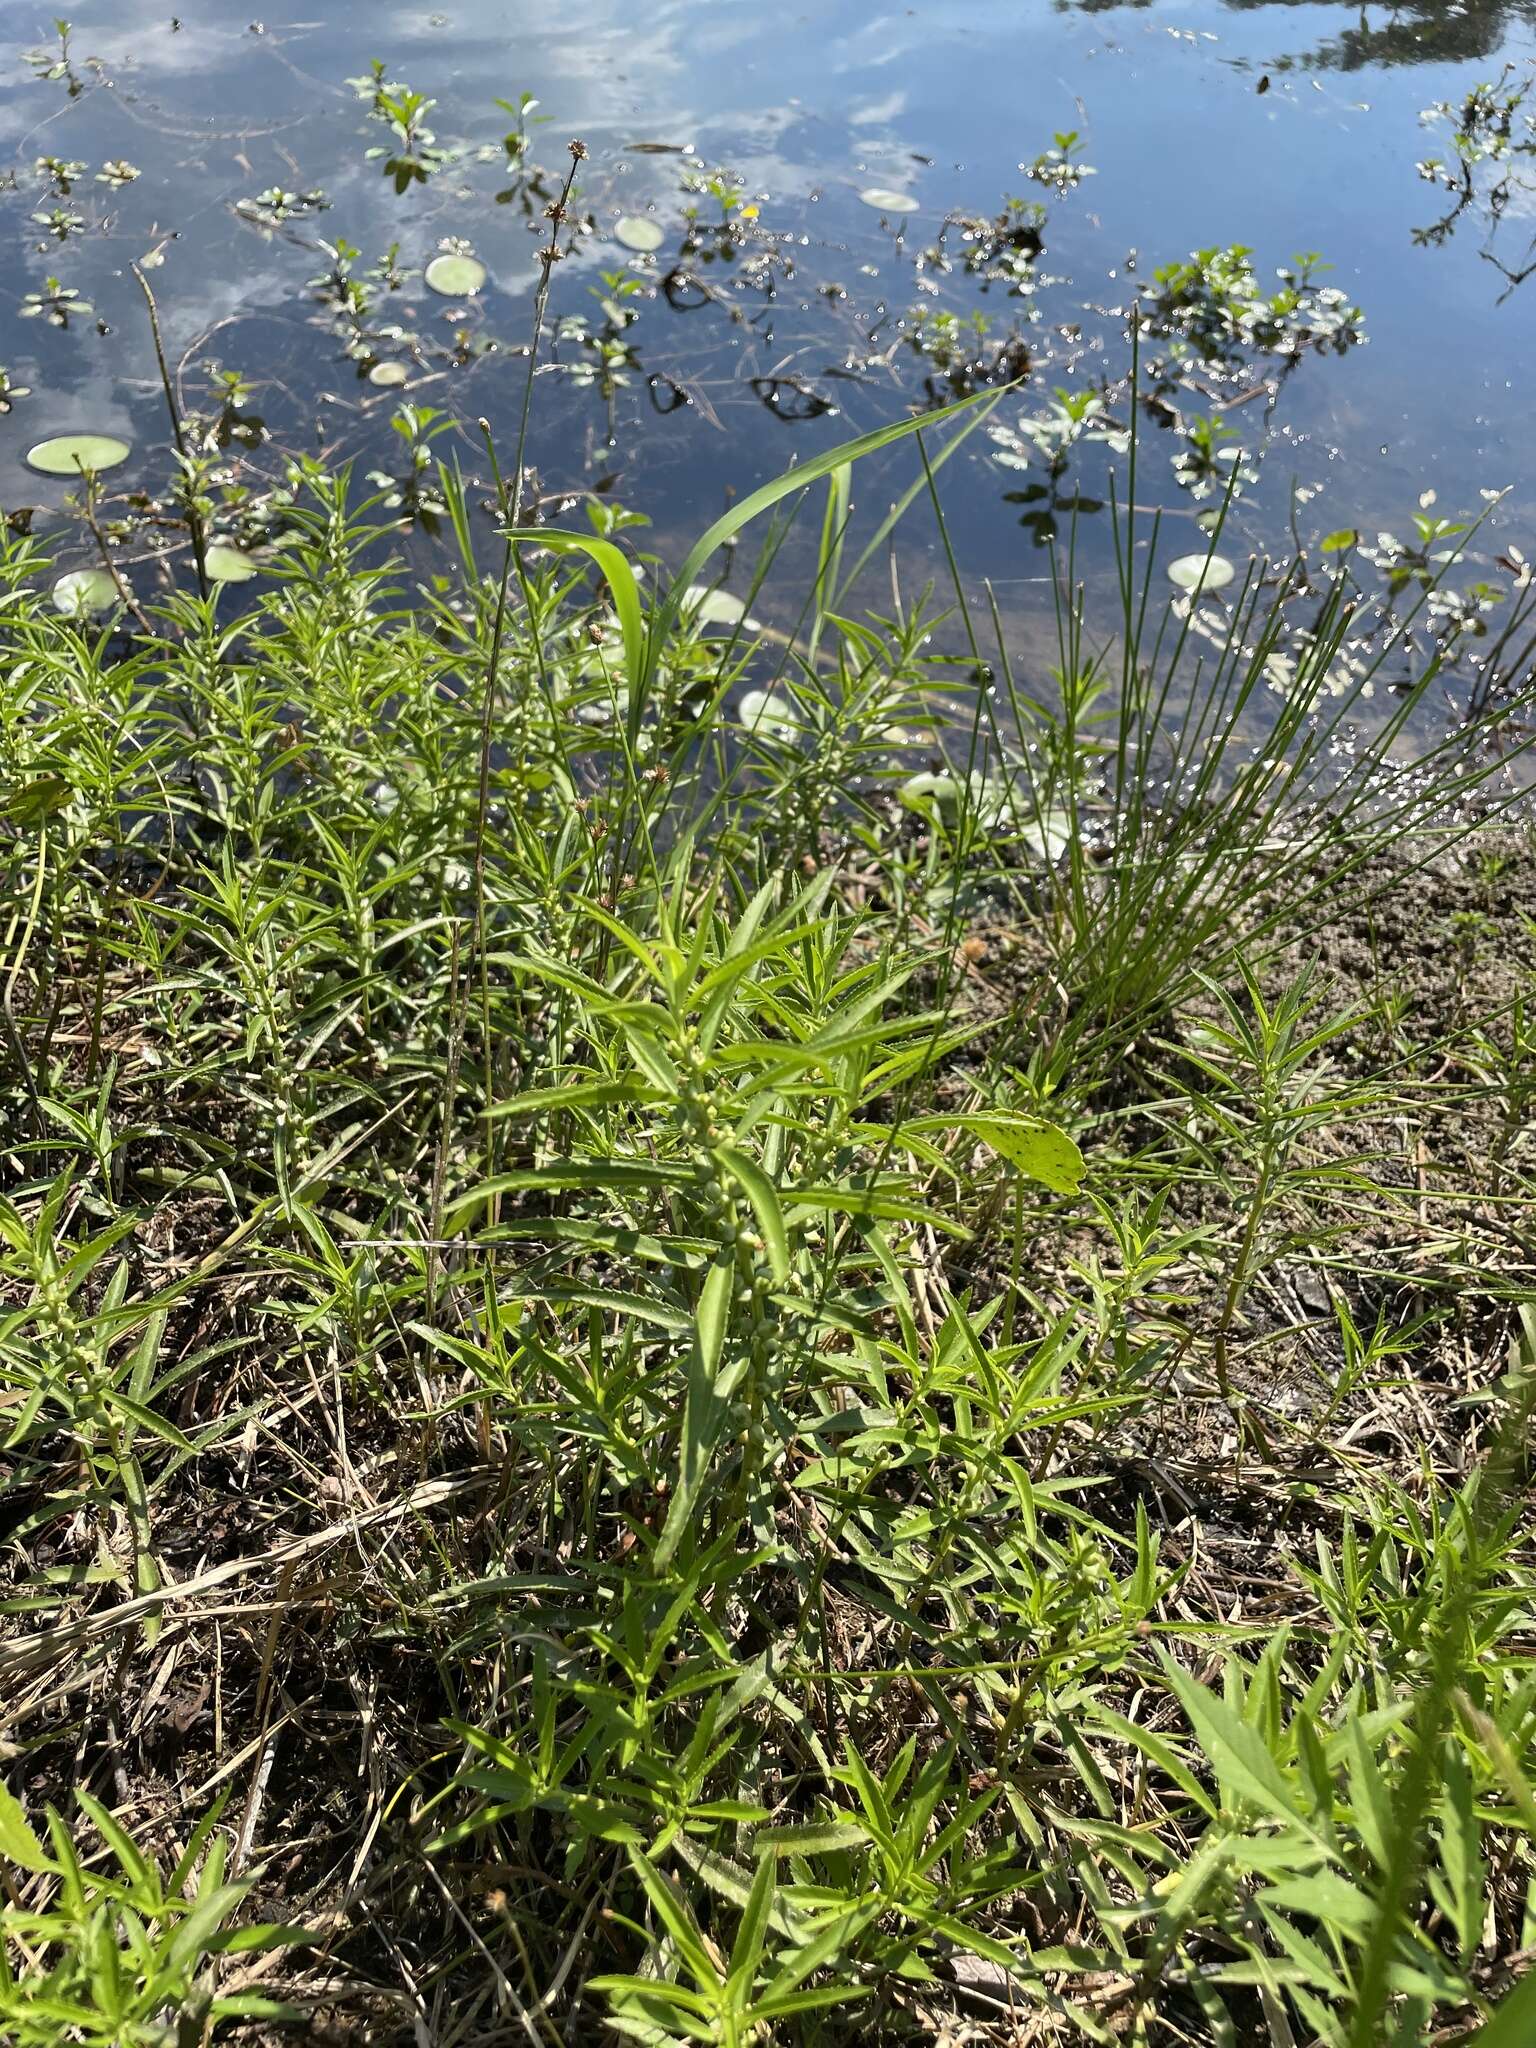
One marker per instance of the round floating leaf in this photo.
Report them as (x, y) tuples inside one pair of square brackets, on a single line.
[(69, 454), (886, 201), (455, 277), (770, 715), (637, 233), (1201, 572), (927, 792), (85, 593), (391, 375), (1047, 837), (716, 608), (943, 796), (229, 565)]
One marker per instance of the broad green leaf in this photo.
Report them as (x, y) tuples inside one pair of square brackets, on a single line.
[(1513, 2024), (18, 1844), (619, 575), (36, 800), (1036, 1148), (1327, 1897)]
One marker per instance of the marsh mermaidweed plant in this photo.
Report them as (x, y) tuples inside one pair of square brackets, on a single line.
[(772, 1360)]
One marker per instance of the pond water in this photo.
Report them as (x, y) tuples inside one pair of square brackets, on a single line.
[(234, 157)]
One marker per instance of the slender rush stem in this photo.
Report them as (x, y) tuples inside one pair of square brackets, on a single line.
[(445, 1120), (189, 494), (549, 256)]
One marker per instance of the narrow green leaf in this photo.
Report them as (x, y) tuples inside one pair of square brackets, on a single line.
[(618, 574), (572, 1095), (1235, 1750), (705, 1407), (764, 1197), (810, 1838)]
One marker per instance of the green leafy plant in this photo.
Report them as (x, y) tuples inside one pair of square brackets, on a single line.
[(129, 1957)]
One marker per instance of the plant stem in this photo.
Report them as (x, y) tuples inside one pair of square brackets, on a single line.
[(189, 494), (549, 255)]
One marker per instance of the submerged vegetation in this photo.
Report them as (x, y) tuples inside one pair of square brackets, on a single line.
[(734, 1307)]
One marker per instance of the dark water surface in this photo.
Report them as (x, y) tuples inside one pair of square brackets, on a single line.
[(1283, 127)]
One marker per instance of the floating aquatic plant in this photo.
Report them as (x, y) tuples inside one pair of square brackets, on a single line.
[(60, 172), (455, 276), (72, 454), (1201, 572), (715, 608), (227, 564), (57, 303), (86, 593), (770, 715), (886, 201), (412, 156), (636, 232)]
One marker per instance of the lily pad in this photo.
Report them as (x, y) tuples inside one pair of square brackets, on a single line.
[(715, 608), (930, 793), (886, 201), (770, 715), (455, 277), (1047, 837), (85, 593), (69, 454), (390, 375), (1201, 572), (944, 796), (228, 565), (637, 233)]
